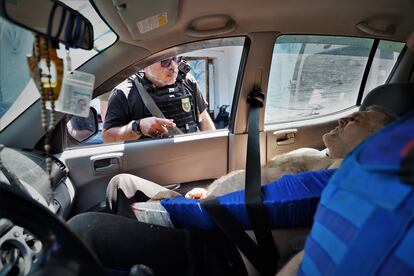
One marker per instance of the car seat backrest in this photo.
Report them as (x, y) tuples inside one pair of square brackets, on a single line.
[(397, 98)]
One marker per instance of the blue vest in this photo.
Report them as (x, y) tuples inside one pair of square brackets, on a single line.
[(364, 224), (289, 202)]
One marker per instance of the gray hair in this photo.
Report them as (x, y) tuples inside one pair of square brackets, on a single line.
[(389, 116)]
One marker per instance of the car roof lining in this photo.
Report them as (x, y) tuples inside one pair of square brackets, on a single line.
[(325, 17)]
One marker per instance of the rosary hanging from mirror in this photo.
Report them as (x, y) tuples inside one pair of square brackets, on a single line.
[(47, 71)]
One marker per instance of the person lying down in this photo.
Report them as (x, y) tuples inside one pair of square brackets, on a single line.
[(125, 189)]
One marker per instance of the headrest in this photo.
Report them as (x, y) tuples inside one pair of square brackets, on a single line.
[(397, 98)]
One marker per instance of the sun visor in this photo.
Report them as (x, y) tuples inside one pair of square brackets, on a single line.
[(147, 18)]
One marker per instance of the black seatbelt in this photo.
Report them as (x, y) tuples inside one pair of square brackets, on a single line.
[(253, 193), (230, 227), (152, 106), (263, 256)]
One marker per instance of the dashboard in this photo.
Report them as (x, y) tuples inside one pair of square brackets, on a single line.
[(29, 167), (25, 170)]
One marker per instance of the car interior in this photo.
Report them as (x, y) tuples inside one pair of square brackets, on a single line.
[(314, 63)]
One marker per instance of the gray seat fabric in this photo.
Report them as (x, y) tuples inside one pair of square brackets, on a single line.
[(397, 98)]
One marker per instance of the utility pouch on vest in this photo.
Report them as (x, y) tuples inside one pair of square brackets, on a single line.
[(176, 103), (152, 106)]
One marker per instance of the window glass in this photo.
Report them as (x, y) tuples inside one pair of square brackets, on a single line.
[(215, 70), (385, 57), (17, 89), (214, 66), (312, 76)]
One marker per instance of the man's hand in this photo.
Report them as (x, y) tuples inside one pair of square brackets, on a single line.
[(154, 127), (197, 193)]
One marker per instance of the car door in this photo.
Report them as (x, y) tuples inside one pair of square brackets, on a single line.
[(189, 160), (302, 103)]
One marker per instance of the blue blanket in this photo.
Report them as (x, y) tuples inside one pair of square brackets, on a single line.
[(364, 224), (289, 202)]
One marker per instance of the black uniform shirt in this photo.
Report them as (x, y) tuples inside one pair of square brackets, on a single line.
[(125, 103)]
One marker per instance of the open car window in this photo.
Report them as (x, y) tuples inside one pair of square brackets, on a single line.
[(214, 65), (313, 76)]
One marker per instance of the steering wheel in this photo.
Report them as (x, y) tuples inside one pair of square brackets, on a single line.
[(62, 251)]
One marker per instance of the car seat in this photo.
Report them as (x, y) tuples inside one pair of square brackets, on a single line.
[(397, 98)]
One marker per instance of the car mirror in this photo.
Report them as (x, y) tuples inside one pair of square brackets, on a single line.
[(80, 128), (52, 19)]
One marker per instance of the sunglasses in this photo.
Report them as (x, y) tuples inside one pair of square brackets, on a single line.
[(167, 62)]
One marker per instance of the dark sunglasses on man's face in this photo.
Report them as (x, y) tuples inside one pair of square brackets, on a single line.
[(167, 62)]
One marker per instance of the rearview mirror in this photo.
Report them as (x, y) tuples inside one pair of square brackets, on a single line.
[(52, 19)]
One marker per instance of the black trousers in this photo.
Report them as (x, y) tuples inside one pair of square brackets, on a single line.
[(121, 242)]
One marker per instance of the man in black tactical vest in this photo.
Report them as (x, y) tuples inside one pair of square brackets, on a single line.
[(179, 100)]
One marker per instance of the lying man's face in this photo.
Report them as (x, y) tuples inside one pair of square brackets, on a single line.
[(352, 130)]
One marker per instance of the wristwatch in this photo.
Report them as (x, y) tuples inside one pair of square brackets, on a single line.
[(136, 127)]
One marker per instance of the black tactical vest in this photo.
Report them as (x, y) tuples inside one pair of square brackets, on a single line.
[(176, 102)]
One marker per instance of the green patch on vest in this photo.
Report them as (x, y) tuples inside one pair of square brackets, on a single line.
[(185, 104)]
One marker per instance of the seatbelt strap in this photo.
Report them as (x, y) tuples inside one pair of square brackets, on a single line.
[(253, 193), (263, 256), (152, 106), (231, 228)]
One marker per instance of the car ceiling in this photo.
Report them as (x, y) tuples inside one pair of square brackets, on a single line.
[(299, 16), (279, 16)]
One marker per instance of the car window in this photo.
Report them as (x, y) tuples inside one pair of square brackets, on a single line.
[(312, 76), (384, 60), (17, 89), (15, 44), (214, 66), (215, 70)]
